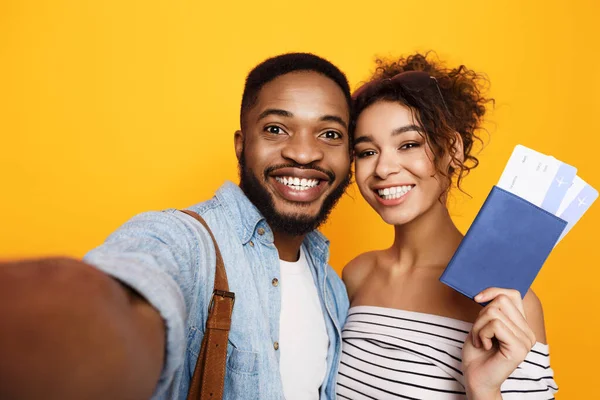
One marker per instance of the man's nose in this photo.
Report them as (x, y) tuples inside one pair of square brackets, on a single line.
[(303, 149)]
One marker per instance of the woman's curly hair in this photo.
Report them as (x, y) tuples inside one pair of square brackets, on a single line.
[(463, 92)]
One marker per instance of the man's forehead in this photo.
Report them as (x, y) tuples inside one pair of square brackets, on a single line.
[(300, 78), (303, 89)]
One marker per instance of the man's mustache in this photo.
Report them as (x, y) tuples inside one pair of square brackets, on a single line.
[(311, 166)]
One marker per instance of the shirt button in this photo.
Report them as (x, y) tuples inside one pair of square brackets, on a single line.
[(276, 345), (275, 282), (251, 243), (261, 231)]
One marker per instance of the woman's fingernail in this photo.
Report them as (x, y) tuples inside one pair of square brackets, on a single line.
[(479, 297)]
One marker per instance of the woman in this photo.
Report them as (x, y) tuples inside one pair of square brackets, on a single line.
[(407, 335)]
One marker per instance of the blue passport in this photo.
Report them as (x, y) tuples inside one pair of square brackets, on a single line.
[(506, 246)]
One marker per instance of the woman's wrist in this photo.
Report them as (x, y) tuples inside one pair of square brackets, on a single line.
[(480, 394)]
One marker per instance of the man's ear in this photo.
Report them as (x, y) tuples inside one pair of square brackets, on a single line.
[(238, 140), (457, 151)]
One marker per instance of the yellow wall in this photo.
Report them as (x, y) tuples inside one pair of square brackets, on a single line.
[(109, 108)]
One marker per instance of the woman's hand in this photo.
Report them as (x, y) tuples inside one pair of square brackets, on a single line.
[(498, 342)]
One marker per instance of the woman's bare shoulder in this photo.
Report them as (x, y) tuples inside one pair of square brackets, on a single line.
[(355, 272)]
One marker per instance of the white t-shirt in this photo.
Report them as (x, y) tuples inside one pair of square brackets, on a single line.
[(303, 339)]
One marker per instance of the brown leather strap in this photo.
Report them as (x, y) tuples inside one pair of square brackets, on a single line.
[(209, 374)]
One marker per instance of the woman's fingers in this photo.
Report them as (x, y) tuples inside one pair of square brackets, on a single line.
[(505, 312), (512, 347), (511, 304), (490, 294)]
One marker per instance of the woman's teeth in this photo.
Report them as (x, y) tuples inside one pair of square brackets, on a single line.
[(394, 192), (297, 183)]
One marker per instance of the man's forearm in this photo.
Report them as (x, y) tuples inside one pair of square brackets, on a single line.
[(71, 332)]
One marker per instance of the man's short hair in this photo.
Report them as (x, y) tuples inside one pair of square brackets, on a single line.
[(283, 64)]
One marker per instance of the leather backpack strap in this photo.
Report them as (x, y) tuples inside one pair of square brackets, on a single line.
[(209, 375)]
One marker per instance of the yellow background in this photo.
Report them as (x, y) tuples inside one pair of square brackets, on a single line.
[(113, 107)]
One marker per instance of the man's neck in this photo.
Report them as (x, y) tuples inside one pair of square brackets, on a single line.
[(288, 246)]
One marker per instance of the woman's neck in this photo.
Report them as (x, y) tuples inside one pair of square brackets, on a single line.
[(429, 241)]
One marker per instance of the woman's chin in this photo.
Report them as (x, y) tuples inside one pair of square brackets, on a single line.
[(396, 218)]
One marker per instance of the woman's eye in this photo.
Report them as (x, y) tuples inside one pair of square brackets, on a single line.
[(331, 135), (274, 129), (408, 146), (366, 153)]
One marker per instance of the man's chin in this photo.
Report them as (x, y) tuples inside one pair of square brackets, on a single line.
[(293, 225), (296, 215), (287, 207), (296, 211), (282, 215), (294, 218)]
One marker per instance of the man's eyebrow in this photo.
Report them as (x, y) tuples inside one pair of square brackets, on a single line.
[(395, 132), (287, 114), (275, 111), (335, 118)]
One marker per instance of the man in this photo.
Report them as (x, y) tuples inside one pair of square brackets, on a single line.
[(131, 327)]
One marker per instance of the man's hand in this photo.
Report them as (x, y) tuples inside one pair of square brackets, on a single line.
[(71, 332)]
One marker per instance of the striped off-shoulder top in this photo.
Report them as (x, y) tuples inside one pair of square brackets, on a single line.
[(396, 354)]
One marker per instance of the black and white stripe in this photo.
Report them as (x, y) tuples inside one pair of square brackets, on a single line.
[(396, 354)]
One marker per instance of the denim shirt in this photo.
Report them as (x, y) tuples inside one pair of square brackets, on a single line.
[(169, 258)]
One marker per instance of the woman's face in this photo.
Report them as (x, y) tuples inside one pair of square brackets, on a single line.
[(394, 165)]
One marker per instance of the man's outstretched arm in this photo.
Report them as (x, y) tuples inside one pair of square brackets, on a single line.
[(69, 331)]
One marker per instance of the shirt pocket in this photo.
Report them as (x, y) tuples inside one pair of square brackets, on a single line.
[(242, 378), (241, 361), (242, 372)]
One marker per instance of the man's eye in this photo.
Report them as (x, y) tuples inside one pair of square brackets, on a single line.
[(274, 129), (331, 135)]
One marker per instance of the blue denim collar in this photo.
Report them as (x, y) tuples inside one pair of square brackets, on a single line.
[(246, 219)]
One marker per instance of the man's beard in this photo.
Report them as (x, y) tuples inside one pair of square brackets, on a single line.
[(297, 224)]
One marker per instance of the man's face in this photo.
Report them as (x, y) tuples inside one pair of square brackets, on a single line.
[(294, 151)]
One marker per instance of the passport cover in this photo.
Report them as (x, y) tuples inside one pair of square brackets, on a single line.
[(505, 247)]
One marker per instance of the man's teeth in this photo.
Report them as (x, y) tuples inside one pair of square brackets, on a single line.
[(394, 192), (297, 183)]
